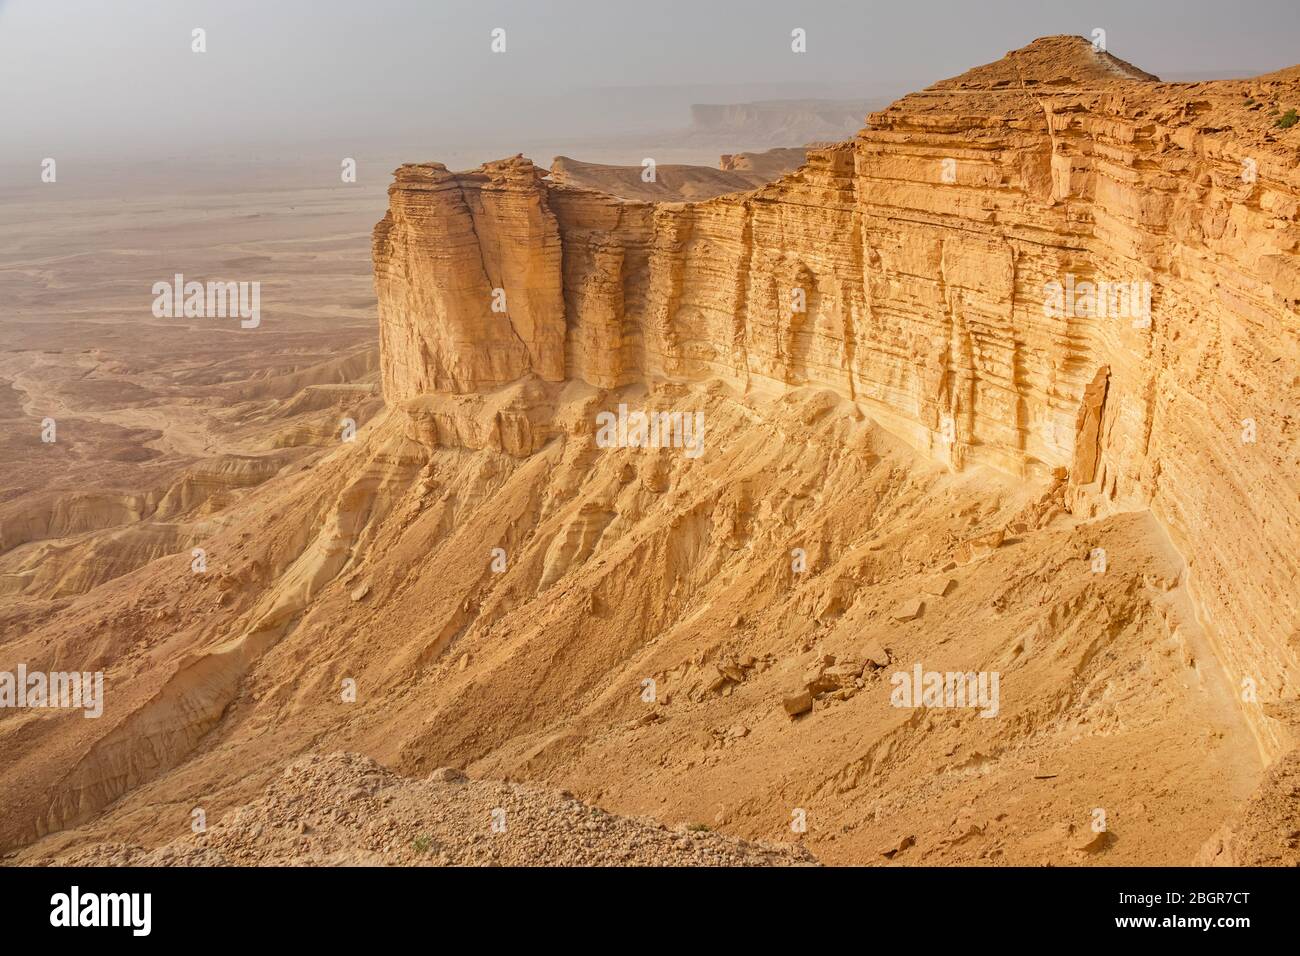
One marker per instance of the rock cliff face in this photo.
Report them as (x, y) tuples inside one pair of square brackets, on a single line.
[(468, 269), (1052, 263)]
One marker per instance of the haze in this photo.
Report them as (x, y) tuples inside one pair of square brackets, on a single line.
[(88, 80)]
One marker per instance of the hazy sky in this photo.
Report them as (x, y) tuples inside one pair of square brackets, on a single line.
[(117, 78)]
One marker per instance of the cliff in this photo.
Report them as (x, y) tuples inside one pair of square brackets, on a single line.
[(942, 260), (462, 236)]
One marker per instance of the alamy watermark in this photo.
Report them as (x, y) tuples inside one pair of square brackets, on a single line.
[(75, 908), (922, 688), (215, 300), (61, 689), (1101, 299), (651, 430)]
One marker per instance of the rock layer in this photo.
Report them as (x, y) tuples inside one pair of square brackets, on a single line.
[(468, 273), (912, 270)]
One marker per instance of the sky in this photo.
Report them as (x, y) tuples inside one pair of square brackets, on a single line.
[(118, 78)]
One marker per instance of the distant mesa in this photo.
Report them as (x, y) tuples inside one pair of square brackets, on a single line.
[(675, 182), (780, 121)]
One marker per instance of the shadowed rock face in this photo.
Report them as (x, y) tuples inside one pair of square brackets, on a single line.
[(924, 252), (1087, 429)]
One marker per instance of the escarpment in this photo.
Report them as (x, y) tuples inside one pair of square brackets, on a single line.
[(1051, 264), (468, 241)]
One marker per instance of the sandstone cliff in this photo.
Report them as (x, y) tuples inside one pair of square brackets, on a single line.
[(911, 270), (462, 237)]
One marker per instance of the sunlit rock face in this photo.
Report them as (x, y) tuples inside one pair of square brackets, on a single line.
[(1051, 262), (467, 268)]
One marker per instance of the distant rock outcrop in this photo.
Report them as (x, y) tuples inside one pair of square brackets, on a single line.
[(780, 121), (736, 172)]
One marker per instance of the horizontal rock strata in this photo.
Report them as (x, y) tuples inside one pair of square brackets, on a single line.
[(937, 270)]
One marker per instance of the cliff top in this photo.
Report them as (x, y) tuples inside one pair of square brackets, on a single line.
[(1049, 61)]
